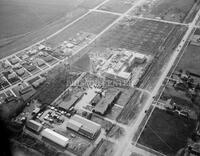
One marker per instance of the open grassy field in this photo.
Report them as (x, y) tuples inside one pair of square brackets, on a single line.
[(167, 133), (190, 60), (24, 23), (170, 10), (119, 6), (21, 16), (93, 23)]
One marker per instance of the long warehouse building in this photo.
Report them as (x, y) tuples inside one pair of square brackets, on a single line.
[(55, 137), (84, 126)]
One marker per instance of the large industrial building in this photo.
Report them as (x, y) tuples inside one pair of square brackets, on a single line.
[(66, 105), (107, 101), (55, 137), (116, 66), (84, 126)]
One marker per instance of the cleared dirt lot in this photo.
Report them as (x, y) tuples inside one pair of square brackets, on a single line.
[(167, 133), (24, 23), (93, 23)]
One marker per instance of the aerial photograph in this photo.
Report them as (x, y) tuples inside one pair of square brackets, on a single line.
[(100, 77)]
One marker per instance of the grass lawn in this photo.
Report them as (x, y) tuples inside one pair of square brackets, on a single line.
[(166, 133)]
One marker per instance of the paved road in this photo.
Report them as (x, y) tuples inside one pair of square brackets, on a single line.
[(59, 31), (125, 145), (140, 17)]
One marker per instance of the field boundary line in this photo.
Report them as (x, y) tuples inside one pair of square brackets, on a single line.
[(150, 150), (158, 20), (108, 12), (144, 125)]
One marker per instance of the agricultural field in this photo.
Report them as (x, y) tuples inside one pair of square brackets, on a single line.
[(119, 6), (134, 34), (182, 11), (92, 23), (25, 23), (167, 133)]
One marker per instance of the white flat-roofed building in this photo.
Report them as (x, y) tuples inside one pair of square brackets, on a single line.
[(74, 125), (116, 66), (109, 73), (55, 137), (124, 75), (139, 58)]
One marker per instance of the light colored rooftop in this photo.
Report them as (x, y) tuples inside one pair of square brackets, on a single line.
[(55, 137)]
